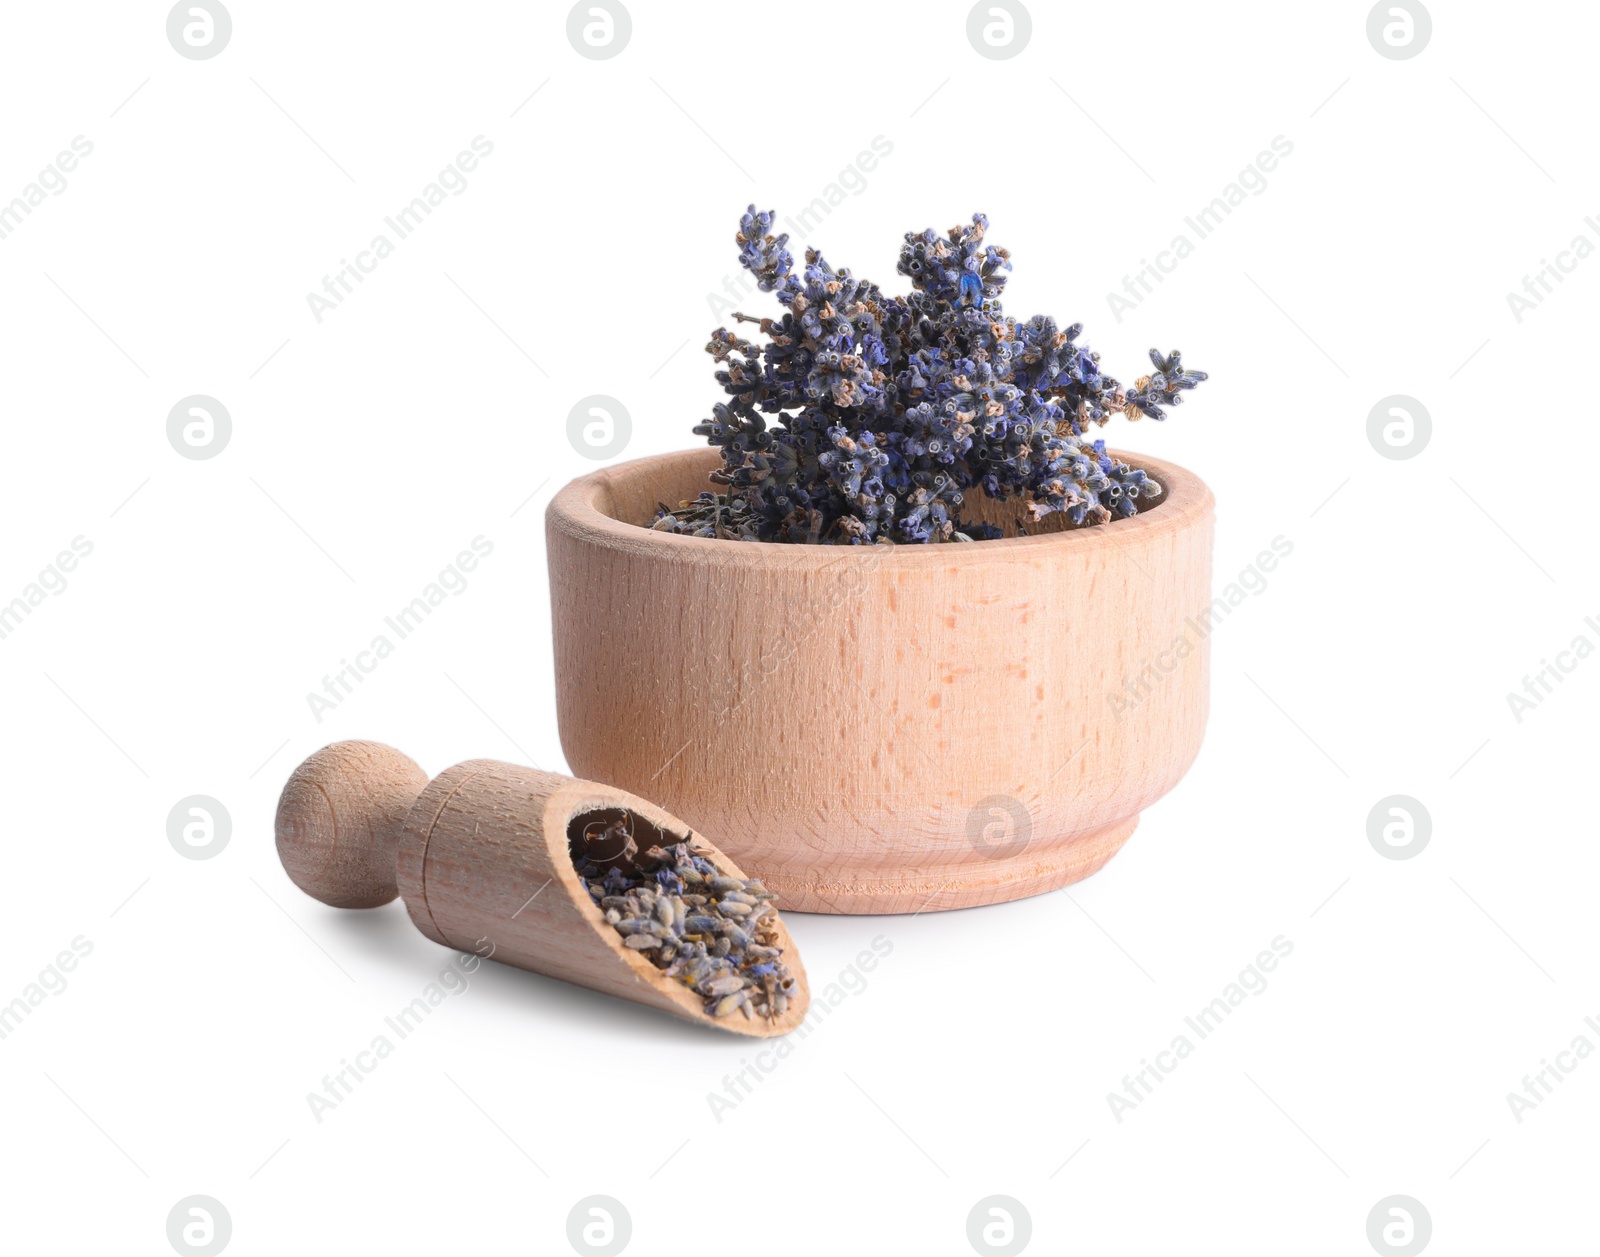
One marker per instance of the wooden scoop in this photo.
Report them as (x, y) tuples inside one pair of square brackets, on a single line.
[(482, 856)]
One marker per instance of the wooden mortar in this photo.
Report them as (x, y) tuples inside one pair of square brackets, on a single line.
[(885, 728), (481, 856)]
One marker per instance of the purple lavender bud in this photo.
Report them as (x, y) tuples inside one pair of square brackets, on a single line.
[(865, 416)]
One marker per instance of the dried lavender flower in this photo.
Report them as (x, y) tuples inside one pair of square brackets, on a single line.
[(722, 945), (866, 418)]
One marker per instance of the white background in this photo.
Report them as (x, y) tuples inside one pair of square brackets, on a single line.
[(430, 407)]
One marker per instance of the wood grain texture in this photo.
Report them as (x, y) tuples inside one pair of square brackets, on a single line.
[(854, 723), (481, 857)]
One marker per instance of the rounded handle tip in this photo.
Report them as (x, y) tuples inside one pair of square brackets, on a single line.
[(339, 822)]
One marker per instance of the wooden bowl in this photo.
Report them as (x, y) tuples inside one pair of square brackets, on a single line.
[(884, 728)]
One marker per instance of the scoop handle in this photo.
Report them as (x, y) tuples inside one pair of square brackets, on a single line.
[(340, 819)]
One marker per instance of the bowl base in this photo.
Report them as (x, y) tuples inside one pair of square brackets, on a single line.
[(940, 888)]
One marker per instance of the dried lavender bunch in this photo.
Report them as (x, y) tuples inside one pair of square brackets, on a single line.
[(867, 418), (713, 933)]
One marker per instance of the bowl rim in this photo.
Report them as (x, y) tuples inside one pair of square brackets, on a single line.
[(573, 511)]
